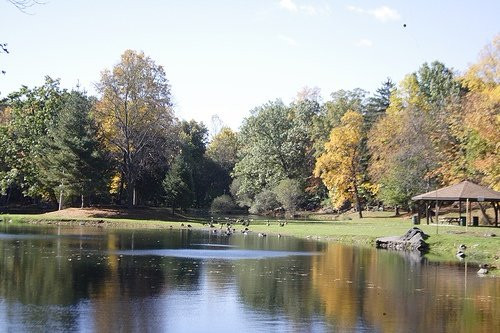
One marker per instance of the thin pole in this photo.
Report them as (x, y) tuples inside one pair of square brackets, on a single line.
[(465, 280), (467, 214), (437, 217), (61, 197)]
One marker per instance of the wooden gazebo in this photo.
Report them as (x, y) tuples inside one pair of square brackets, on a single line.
[(466, 192)]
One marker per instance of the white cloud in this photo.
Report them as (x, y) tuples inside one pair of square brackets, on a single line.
[(289, 40), (311, 10), (364, 43), (292, 6), (289, 5), (383, 13), (356, 9)]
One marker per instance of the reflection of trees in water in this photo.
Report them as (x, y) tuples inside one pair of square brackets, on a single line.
[(133, 284), (386, 293), (278, 285), (32, 273), (277, 244), (35, 274)]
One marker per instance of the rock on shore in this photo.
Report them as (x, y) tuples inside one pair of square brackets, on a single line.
[(412, 240)]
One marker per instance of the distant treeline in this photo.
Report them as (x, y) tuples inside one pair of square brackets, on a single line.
[(125, 145)]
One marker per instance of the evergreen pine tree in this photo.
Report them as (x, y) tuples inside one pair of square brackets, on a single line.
[(77, 162), (378, 103)]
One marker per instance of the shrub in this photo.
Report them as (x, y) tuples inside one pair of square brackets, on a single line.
[(289, 194), (223, 204), (264, 202)]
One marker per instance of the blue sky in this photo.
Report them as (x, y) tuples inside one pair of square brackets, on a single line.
[(226, 57)]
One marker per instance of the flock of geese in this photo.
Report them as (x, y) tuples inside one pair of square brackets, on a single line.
[(227, 226)]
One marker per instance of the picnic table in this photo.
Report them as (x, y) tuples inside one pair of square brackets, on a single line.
[(450, 220)]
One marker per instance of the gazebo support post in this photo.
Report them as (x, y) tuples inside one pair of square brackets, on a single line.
[(419, 211), (468, 212), (427, 212), (460, 210), (437, 217)]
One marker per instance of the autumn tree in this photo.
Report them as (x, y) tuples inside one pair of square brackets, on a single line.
[(331, 113), (135, 110), (483, 124), (223, 149), (404, 143), (340, 165), (477, 122)]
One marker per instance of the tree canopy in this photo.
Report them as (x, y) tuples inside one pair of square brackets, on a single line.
[(434, 127)]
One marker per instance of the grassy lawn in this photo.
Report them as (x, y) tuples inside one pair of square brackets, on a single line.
[(443, 240)]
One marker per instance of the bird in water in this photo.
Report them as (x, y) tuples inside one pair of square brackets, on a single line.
[(483, 269)]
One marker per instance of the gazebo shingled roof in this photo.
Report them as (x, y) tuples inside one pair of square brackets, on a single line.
[(461, 192)]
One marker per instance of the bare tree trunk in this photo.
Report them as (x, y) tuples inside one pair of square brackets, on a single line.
[(83, 203), (358, 203), (483, 211), (9, 193), (120, 192), (61, 199)]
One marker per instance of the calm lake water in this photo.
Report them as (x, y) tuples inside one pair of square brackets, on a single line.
[(81, 279)]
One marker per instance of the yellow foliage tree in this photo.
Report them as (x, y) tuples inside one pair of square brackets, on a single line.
[(340, 166), (135, 112), (482, 116), (473, 149)]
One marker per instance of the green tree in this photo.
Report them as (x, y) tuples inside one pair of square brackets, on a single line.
[(223, 204), (379, 102), (76, 161), (264, 202), (31, 113), (289, 194), (275, 145), (178, 185)]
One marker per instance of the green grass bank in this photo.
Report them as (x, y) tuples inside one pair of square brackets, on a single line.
[(443, 241)]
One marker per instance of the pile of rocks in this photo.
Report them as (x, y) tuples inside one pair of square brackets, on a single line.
[(412, 240)]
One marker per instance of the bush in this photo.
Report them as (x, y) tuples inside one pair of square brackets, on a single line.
[(241, 198), (289, 194), (264, 202), (223, 204)]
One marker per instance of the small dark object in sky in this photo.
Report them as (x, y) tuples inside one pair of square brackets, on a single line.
[(404, 25)]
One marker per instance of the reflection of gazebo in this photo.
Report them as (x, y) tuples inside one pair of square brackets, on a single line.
[(463, 192)]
